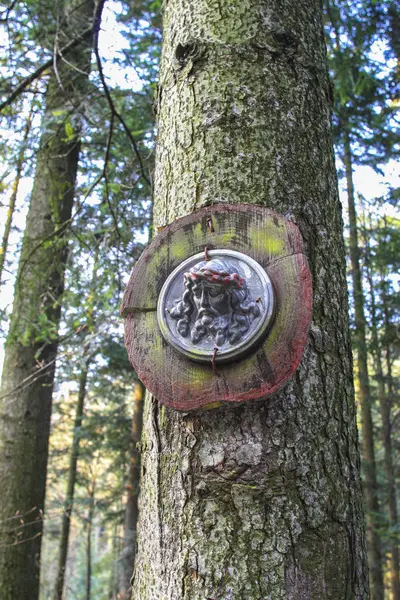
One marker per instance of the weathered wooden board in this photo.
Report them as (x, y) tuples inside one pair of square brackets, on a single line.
[(276, 244)]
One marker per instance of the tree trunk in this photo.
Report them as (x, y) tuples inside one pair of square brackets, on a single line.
[(113, 581), (14, 193), (388, 435), (88, 586), (31, 348), (385, 409), (368, 450), (131, 510), (262, 500), (72, 470), (77, 432)]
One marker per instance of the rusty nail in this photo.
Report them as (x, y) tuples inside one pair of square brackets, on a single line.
[(214, 368)]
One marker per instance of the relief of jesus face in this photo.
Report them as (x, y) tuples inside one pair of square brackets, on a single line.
[(211, 299), (214, 311), (214, 304)]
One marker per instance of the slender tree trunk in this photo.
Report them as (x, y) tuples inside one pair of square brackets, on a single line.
[(368, 450), (385, 409), (131, 510), (388, 436), (31, 348), (113, 583), (262, 500), (88, 586), (14, 193), (72, 471)]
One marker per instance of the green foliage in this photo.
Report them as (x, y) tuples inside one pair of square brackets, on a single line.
[(111, 224), (363, 69)]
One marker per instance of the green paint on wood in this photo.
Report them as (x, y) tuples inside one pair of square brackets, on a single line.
[(269, 241)]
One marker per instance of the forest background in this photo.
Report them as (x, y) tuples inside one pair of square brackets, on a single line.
[(49, 99)]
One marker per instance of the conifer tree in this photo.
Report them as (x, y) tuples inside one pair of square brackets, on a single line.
[(31, 349), (262, 500)]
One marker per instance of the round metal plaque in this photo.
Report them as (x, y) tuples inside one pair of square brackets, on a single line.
[(216, 306)]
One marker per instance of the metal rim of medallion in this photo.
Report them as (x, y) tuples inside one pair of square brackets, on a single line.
[(171, 297)]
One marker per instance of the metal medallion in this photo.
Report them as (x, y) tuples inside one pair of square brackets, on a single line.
[(216, 306)]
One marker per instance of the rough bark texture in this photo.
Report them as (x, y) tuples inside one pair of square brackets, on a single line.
[(364, 393), (261, 501), (28, 372)]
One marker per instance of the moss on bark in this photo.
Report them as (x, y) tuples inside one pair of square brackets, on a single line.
[(28, 372), (261, 501)]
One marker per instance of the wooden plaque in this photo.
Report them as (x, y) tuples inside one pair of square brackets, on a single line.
[(276, 245)]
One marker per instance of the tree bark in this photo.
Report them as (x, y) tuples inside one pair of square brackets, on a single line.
[(14, 193), (385, 410), (31, 348), (131, 509), (262, 500), (364, 393)]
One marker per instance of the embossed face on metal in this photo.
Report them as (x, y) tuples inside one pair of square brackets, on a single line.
[(216, 306)]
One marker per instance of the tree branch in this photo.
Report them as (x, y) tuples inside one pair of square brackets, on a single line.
[(7, 11), (47, 65), (114, 111)]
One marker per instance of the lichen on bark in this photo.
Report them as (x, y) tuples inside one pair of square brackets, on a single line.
[(259, 501)]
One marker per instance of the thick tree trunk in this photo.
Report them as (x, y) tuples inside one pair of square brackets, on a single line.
[(262, 500), (14, 193), (385, 409), (131, 509), (368, 450), (28, 372)]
